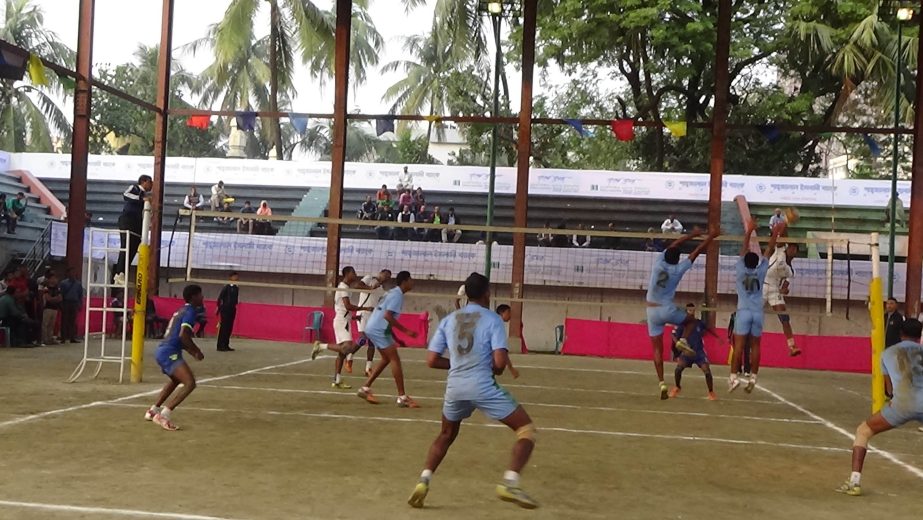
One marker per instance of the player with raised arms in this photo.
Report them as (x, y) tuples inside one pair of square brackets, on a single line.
[(474, 340), (666, 274), (776, 287)]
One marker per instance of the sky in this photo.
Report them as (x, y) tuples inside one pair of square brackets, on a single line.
[(123, 24)]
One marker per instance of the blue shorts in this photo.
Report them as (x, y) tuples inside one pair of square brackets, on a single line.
[(658, 317), (897, 416), (701, 358), (382, 339), (168, 360), (497, 404), (748, 323)]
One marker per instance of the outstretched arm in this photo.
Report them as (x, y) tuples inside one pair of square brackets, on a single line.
[(771, 246), (696, 232), (698, 250), (748, 232)]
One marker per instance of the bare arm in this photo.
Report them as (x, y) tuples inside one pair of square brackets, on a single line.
[(389, 317), (745, 248), (435, 360), (698, 250), (771, 246), (889, 387), (501, 361), (354, 308), (696, 232), (185, 337)]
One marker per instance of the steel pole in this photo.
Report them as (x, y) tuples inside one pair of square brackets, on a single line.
[(494, 138), (894, 159)]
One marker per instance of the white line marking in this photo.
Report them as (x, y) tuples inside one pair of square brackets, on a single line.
[(105, 511), (40, 415), (546, 405), (568, 369), (853, 392), (540, 428), (533, 387), (888, 455)]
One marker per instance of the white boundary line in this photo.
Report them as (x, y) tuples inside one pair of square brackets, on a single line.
[(545, 405), (888, 455), (497, 425), (28, 418), (105, 511), (568, 369)]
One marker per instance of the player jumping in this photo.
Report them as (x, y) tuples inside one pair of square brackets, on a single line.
[(700, 359), (666, 274), (902, 366), (474, 339), (342, 324), (776, 287), (379, 331), (170, 358), (751, 274)]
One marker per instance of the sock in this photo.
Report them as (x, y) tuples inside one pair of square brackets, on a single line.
[(791, 342), (155, 409), (165, 412), (325, 346), (336, 378), (511, 478), (368, 365), (854, 478), (426, 476), (349, 357)]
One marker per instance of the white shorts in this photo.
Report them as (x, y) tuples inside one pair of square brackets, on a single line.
[(364, 317), (341, 330), (773, 295)]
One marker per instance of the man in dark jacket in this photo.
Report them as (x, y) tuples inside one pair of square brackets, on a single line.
[(131, 219), (893, 321), (227, 310)]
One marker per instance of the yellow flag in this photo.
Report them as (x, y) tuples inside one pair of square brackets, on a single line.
[(433, 119), (676, 128), (37, 70)]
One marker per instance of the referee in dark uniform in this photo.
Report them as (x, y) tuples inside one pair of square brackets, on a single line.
[(893, 321), (132, 218), (227, 310)]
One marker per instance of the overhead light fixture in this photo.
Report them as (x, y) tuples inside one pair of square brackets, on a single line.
[(497, 7), (904, 14)]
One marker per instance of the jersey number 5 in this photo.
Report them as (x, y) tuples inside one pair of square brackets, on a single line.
[(465, 324)]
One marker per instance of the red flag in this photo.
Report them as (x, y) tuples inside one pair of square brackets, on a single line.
[(200, 122), (624, 129)]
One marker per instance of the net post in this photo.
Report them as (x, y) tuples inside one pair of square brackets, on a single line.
[(876, 316), (141, 280), (829, 282)]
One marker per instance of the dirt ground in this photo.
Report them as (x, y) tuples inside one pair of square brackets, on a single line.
[(266, 437)]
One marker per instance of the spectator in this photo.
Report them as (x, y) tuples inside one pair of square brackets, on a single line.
[(383, 232), (898, 211), (193, 200), (671, 225), (383, 197), (436, 217), (776, 218), (612, 242), (893, 321), (12, 315), (367, 210), (131, 220), (264, 226), (545, 238), (418, 198), (451, 220), (405, 199), (652, 244), (72, 295), (155, 325), (248, 209), (225, 208), (218, 195), (560, 239), (405, 179), (5, 216), (227, 312), (17, 206), (579, 240), (405, 217), (423, 216), (52, 300)]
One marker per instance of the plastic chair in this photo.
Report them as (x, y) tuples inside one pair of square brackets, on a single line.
[(558, 338), (315, 322)]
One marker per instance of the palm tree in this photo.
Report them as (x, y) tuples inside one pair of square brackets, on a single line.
[(29, 118), (360, 142)]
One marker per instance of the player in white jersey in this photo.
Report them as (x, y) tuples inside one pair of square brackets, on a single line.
[(342, 323), (471, 344), (369, 300), (776, 287)]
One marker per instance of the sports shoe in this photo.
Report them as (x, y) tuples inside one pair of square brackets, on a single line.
[(165, 423), (419, 494), (683, 346), (341, 385), (674, 392), (712, 396), (405, 401), (349, 366), (848, 488), (368, 372), (751, 384), (663, 391), (733, 383), (150, 413), (119, 279), (920, 429), (794, 351), (515, 495), (366, 393), (316, 350)]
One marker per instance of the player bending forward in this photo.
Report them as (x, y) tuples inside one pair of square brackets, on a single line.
[(474, 339), (776, 287), (902, 366), (748, 322), (700, 359), (342, 327), (170, 358), (666, 274), (379, 331)]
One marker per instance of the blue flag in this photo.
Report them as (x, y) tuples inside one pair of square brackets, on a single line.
[(770, 132), (299, 123), (246, 121), (873, 146), (383, 126), (577, 125)]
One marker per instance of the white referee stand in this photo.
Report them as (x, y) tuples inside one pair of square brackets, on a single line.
[(114, 350)]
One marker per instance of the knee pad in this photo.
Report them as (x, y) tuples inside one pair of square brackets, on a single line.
[(527, 432), (863, 434), (785, 318)]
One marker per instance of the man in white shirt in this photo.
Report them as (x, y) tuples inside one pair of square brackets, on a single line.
[(368, 300), (581, 240), (342, 321), (671, 225), (218, 195), (776, 219)]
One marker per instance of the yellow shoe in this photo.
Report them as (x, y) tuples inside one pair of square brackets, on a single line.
[(850, 489), (341, 386), (419, 494), (516, 496), (683, 346), (663, 391)]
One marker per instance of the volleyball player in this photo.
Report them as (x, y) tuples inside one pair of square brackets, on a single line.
[(342, 323), (700, 359), (776, 287), (369, 300)]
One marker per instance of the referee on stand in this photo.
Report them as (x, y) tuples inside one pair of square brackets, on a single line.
[(131, 220)]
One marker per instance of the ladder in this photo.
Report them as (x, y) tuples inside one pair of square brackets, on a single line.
[(102, 243)]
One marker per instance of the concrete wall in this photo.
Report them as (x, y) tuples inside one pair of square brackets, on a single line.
[(553, 305)]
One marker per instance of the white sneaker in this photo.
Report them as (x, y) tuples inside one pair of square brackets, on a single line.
[(751, 384), (150, 413), (119, 279), (733, 383)]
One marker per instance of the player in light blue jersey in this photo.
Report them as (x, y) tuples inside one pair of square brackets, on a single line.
[(666, 274), (379, 332), (169, 356), (471, 344), (902, 366), (750, 275)]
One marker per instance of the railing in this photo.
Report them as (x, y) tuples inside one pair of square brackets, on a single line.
[(41, 249)]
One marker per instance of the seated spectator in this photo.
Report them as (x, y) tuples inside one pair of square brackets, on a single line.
[(404, 233), (580, 240), (612, 242), (383, 232), (436, 217), (248, 209), (545, 237), (264, 226), (449, 231), (671, 225), (560, 239), (652, 244), (226, 208), (423, 215), (367, 210), (4, 218), (405, 199), (193, 200), (15, 211), (218, 195), (418, 198), (155, 325), (13, 315), (383, 197)]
